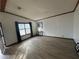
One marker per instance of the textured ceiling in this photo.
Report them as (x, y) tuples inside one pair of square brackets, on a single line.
[(38, 9)]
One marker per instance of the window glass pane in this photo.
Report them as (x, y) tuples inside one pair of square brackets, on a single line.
[(21, 26), (22, 32), (27, 26), (28, 31)]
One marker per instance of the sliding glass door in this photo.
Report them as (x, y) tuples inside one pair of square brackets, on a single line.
[(21, 29), (24, 30)]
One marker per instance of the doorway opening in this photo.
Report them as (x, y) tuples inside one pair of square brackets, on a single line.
[(2, 41)]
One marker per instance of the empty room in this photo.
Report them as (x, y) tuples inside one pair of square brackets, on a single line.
[(39, 29)]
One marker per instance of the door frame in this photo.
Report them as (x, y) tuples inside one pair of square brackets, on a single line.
[(17, 29), (3, 34)]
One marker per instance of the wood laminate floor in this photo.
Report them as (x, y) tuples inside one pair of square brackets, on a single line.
[(42, 48)]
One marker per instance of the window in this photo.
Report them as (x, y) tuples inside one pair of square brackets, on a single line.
[(27, 28), (24, 29)]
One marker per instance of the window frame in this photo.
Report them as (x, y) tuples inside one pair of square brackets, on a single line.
[(25, 29)]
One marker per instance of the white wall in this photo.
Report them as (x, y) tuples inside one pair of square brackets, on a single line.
[(8, 23), (34, 27), (60, 26), (76, 25)]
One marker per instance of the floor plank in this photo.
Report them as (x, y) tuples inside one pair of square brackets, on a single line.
[(42, 48)]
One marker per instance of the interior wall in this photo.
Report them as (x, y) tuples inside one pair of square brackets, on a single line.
[(60, 26), (66, 26), (34, 28), (76, 25), (8, 23)]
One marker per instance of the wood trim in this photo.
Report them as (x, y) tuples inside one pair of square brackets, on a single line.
[(3, 5), (58, 37), (17, 42), (61, 13), (42, 18), (31, 29), (76, 6), (17, 15), (3, 34), (55, 15), (42, 36), (17, 30)]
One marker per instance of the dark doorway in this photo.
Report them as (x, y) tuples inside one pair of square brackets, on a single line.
[(24, 30), (2, 40)]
